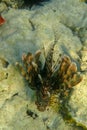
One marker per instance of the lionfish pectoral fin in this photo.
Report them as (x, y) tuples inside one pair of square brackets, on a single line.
[(37, 56)]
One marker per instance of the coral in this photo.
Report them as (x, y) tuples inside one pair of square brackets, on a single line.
[(50, 79)]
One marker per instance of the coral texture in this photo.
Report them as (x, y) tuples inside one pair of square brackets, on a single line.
[(62, 76)]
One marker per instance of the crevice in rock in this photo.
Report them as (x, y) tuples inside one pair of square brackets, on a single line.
[(31, 114), (32, 25), (4, 62)]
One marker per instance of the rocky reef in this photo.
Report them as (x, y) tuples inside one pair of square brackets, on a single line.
[(19, 4), (30, 34)]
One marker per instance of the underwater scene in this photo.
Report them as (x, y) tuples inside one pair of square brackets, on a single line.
[(43, 64)]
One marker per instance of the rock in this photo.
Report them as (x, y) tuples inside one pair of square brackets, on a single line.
[(84, 59), (2, 7), (77, 105), (12, 3), (83, 36), (27, 31)]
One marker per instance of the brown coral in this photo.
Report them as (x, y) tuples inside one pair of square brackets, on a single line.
[(51, 78)]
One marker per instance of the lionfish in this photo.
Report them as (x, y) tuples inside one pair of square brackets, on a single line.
[(62, 76)]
